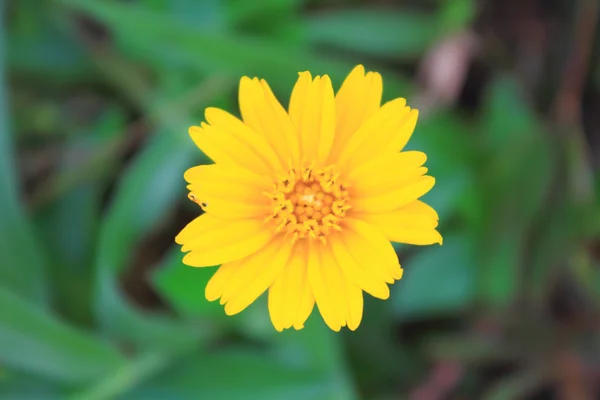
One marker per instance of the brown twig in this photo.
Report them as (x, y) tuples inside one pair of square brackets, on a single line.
[(568, 98)]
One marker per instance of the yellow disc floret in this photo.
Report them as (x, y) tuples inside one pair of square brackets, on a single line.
[(308, 203)]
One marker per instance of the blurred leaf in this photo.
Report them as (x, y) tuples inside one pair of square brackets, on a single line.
[(183, 286), (383, 33), (314, 348), (69, 224), (500, 266), (457, 15), (385, 362), (519, 385), (155, 37), (22, 266), (35, 342), (37, 47), (438, 280), (147, 191), (210, 14), (263, 15), (471, 348), (514, 187), (19, 386), (507, 115), (239, 374), (447, 142)]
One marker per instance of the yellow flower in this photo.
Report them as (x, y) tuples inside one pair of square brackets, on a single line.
[(304, 203)]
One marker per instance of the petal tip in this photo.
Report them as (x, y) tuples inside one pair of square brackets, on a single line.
[(353, 327), (358, 69), (230, 310), (194, 130)]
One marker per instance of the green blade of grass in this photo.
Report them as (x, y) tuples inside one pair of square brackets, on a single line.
[(35, 342), (22, 265)]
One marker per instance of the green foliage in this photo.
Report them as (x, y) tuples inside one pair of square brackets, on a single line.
[(435, 286), (34, 341), (95, 303), (381, 33), (22, 266), (182, 286)]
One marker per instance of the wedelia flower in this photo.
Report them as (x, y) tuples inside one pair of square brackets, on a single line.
[(304, 202)]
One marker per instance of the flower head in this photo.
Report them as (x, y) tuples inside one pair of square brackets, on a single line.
[(304, 202)]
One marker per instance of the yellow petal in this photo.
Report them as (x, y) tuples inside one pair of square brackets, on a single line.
[(334, 282), (198, 226), (228, 192), (217, 284), (229, 241), (225, 148), (206, 143), (397, 140), (264, 114), (317, 278), (412, 224), (382, 249), (312, 111), (229, 173), (393, 199), (356, 101), (356, 269), (298, 98), (247, 269), (307, 303), (230, 208), (366, 255), (354, 298), (257, 273), (290, 296), (233, 126), (389, 128), (387, 172), (238, 150), (377, 122), (277, 302)]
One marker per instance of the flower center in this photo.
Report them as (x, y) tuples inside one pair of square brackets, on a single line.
[(308, 203)]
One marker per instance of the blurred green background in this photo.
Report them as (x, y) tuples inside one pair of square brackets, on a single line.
[(95, 104)]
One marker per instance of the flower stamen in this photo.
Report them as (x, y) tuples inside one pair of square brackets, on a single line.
[(309, 204)]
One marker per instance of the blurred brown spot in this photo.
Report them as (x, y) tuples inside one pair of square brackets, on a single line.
[(444, 69)]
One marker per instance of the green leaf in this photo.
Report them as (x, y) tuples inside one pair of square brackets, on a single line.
[(519, 385), (183, 286), (445, 139), (33, 341), (272, 11), (210, 14), (314, 348), (384, 362), (154, 37), (456, 15), (69, 224), (22, 266), (384, 33), (20, 386), (239, 374), (437, 281), (514, 187), (507, 115), (36, 47), (146, 193), (499, 266), (472, 348)]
